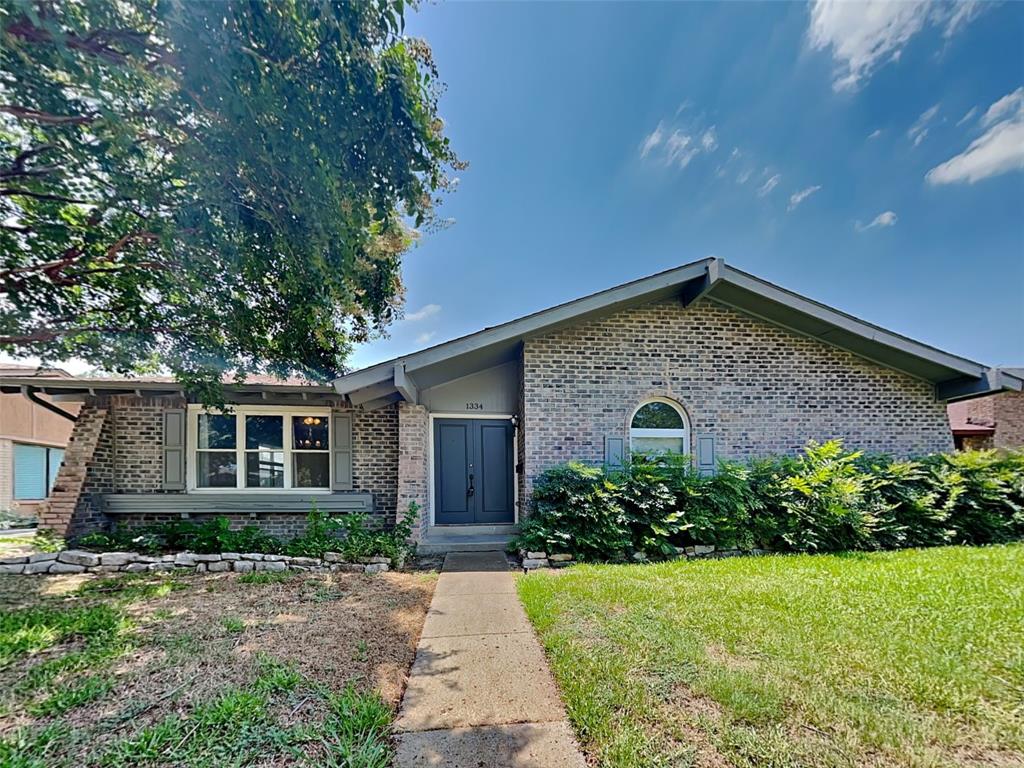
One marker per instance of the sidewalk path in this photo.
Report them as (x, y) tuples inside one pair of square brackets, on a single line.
[(480, 693)]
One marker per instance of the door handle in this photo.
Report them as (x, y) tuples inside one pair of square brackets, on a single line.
[(471, 490)]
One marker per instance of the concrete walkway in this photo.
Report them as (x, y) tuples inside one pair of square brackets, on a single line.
[(480, 692)]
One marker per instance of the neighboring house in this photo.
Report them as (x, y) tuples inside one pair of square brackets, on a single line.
[(702, 359), (995, 421), (32, 440)]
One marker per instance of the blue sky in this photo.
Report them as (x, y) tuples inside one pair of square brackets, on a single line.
[(873, 161)]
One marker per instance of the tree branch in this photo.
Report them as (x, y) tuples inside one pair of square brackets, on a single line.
[(45, 117), (18, 192)]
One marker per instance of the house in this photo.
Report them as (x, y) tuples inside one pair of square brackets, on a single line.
[(33, 434), (994, 421), (703, 359)]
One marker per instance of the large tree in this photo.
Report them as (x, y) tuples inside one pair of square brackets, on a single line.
[(210, 185)]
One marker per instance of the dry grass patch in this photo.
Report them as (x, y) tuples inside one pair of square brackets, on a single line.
[(205, 671)]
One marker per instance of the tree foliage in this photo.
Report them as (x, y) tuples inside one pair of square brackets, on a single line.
[(210, 186)]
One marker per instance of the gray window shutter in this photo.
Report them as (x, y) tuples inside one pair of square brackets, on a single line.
[(613, 450), (706, 454), (341, 451), (174, 449)]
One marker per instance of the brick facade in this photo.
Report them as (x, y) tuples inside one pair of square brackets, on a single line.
[(117, 447), (758, 389), (413, 462), (1004, 412)]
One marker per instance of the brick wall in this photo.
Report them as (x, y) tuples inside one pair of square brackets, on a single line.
[(128, 458), (413, 462), (1008, 410), (757, 388)]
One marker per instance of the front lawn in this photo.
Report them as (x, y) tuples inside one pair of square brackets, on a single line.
[(263, 669), (912, 658)]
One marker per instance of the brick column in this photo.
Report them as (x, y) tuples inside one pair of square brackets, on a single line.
[(413, 437), (86, 470)]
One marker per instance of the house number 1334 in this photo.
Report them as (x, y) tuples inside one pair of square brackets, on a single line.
[(474, 406)]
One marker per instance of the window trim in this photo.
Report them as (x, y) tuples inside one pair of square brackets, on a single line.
[(240, 412), (641, 432)]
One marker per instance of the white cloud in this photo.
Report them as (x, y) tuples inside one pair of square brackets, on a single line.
[(999, 150), (744, 177), (970, 113), (653, 140), (679, 149), (798, 197), (769, 185), (866, 35), (875, 133), (709, 141), (885, 219), (919, 129), (1011, 104), (428, 310), (424, 338)]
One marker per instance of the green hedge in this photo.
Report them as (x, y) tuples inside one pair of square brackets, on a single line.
[(826, 499)]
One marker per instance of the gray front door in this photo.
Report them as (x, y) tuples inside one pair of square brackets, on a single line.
[(473, 471)]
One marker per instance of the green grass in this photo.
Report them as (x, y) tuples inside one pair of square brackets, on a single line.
[(233, 625), (911, 658)]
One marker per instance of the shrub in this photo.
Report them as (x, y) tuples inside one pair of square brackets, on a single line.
[(828, 498)]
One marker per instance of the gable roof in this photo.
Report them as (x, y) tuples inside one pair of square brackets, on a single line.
[(401, 377)]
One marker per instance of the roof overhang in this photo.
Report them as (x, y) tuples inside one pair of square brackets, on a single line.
[(71, 389), (954, 377)]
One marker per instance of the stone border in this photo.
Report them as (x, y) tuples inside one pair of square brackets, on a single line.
[(531, 561), (80, 561)]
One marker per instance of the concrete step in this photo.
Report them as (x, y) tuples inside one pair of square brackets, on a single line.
[(473, 530), (440, 545)]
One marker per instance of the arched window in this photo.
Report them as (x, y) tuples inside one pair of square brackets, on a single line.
[(659, 426)]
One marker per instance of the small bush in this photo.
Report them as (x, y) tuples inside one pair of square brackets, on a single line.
[(826, 499)]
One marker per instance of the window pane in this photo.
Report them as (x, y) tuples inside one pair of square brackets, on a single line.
[(312, 470), (264, 432), (657, 416), (309, 433), (29, 471), (658, 445), (264, 469), (216, 430), (56, 457), (216, 469)]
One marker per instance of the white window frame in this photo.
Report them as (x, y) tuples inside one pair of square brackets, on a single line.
[(683, 433), (240, 412)]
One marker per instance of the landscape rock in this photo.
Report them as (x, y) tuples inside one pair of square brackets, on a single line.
[(536, 556), (185, 558), (703, 549), (218, 567), (117, 558), (252, 556), (14, 560), (274, 558), (532, 563), (107, 569), (334, 557), (243, 566), (560, 558), (147, 559), (167, 558), (375, 568), (200, 568), (138, 567), (41, 566), (158, 566), (12, 567), (271, 565), (208, 558), (42, 557), (230, 556), (305, 561), (62, 567)]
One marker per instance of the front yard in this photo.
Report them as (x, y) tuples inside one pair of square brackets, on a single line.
[(912, 658), (262, 669)]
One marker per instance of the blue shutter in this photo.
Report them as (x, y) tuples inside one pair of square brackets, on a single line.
[(56, 457), (613, 451), (29, 471), (706, 454)]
